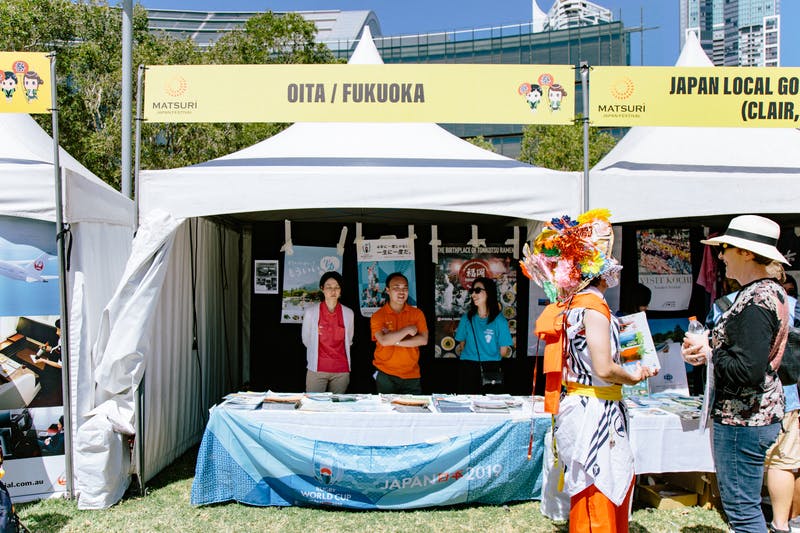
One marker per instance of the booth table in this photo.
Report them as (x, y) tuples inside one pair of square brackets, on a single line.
[(401, 460)]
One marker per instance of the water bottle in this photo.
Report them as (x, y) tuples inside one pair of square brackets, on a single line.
[(695, 327), (696, 331)]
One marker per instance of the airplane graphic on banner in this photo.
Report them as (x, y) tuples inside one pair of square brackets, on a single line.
[(29, 270)]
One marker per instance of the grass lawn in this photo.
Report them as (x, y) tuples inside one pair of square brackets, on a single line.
[(167, 508)]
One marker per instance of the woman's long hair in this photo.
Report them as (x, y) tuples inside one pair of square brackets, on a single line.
[(492, 304)]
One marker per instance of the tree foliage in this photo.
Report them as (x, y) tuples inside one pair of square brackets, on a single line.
[(87, 38), (561, 147), (481, 142)]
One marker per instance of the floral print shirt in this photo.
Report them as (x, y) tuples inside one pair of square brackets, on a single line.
[(748, 343)]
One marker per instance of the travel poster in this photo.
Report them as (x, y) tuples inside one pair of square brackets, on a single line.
[(301, 273), (668, 335), (458, 267), (377, 259), (665, 267), (31, 385)]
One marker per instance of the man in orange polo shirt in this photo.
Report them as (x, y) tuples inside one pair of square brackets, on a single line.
[(398, 330)]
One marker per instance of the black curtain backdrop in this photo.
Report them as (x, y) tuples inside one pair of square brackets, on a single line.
[(278, 360), (278, 356)]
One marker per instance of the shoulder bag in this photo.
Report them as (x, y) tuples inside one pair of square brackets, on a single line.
[(491, 371)]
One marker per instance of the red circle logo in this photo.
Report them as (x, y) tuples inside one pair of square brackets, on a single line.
[(474, 268)]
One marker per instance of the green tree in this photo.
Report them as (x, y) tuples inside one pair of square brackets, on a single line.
[(87, 38), (561, 147), (481, 142)]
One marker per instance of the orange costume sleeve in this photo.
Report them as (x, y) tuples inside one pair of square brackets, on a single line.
[(551, 329)]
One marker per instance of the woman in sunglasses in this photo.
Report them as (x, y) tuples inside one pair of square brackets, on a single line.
[(484, 336), (745, 351)]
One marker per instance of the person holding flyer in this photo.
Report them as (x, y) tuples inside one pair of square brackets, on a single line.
[(745, 352), (572, 261)]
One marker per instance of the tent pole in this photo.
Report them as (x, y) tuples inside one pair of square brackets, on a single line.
[(138, 440), (137, 156), (127, 52), (138, 398), (62, 283), (585, 90)]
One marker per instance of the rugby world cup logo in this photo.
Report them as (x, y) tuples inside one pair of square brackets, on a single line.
[(326, 471)]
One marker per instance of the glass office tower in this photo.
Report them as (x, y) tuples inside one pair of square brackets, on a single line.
[(735, 32)]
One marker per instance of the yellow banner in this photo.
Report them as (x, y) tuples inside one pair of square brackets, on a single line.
[(753, 97), (24, 82), (503, 94)]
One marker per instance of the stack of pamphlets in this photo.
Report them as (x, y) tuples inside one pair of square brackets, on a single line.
[(361, 403), (446, 403), (243, 400), (408, 403)]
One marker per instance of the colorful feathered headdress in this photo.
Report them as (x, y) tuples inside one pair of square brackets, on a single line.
[(568, 254)]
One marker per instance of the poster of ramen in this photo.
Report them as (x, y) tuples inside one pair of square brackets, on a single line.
[(457, 269)]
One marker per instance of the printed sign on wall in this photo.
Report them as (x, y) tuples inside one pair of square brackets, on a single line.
[(376, 260), (665, 267), (457, 269), (301, 273)]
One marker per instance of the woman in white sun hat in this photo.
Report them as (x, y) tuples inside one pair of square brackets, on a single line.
[(745, 349)]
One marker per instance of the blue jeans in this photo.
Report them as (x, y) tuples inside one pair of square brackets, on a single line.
[(739, 453)]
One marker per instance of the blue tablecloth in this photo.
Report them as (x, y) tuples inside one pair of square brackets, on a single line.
[(243, 458)]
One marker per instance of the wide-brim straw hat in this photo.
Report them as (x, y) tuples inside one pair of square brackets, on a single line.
[(752, 233)]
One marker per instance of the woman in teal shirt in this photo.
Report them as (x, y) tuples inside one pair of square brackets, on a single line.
[(484, 336)]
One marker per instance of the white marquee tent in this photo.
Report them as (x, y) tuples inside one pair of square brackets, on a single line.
[(314, 171), (100, 221), (675, 172)]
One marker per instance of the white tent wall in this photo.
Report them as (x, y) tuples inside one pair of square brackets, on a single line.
[(178, 393), (97, 261)]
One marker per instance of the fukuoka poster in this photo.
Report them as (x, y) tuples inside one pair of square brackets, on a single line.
[(665, 267), (31, 397), (376, 260), (301, 272), (457, 268)]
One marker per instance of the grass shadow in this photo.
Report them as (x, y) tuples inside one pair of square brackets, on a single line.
[(44, 521)]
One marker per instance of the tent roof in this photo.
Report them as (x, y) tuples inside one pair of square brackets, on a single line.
[(28, 183), (360, 169), (698, 171), (344, 166)]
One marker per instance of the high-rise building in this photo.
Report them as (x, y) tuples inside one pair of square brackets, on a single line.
[(571, 14), (735, 32)]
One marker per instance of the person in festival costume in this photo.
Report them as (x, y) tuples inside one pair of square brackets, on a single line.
[(572, 261)]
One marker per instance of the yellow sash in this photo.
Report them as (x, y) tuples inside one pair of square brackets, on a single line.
[(612, 392)]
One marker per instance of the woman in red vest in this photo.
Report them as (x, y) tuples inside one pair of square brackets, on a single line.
[(327, 335)]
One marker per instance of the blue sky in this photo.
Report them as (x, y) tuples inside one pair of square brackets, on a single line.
[(399, 17)]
